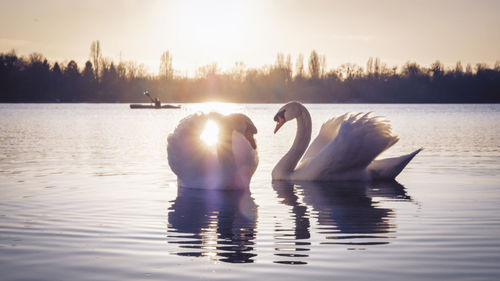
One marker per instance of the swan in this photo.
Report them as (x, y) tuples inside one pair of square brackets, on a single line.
[(344, 149), (229, 164)]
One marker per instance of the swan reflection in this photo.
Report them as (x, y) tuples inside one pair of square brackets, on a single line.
[(219, 224), (346, 214)]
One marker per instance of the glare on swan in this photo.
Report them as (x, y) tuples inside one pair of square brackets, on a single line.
[(210, 133)]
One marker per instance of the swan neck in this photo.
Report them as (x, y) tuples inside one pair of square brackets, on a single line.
[(289, 161)]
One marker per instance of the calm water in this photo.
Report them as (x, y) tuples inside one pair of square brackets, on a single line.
[(86, 193)]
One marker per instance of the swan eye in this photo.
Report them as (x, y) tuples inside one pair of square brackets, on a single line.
[(279, 114)]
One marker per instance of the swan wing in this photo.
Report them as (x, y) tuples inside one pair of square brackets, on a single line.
[(188, 156), (360, 139), (327, 133)]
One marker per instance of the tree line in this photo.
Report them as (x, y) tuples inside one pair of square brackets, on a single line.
[(34, 79)]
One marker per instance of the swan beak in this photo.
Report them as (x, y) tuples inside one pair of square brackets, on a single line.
[(279, 123), (251, 140)]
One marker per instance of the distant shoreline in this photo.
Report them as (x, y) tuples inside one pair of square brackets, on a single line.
[(35, 80)]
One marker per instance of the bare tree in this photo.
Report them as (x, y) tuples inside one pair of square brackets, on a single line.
[(369, 66), (289, 71), (207, 71), (280, 61), (350, 71), (238, 71), (411, 69), (36, 58), (166, 69), (377, 67), (468, 69), (437, 69), (459, 69), (95, 57), (322, 66), (314, 65), (283, 67), (481, 67), (299, 66)]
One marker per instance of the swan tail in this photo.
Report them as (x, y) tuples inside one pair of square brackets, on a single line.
[(389, 168)]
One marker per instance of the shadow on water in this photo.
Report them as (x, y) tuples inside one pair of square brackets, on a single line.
[(345, 213), (217, 224)]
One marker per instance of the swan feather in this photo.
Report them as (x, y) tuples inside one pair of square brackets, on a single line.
[(359, 139)]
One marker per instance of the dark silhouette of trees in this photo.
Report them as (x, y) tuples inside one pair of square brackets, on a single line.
[(37, 76), (89, 91), (56, 83), (71, 91), (34, 79), (110, 86)]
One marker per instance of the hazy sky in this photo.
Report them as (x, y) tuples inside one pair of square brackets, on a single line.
[(198, 32)]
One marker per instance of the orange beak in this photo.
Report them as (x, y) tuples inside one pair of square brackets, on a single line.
[(279, 123)]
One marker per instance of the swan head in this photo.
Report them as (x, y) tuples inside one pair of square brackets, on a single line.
[(242, 124), (287, 112)]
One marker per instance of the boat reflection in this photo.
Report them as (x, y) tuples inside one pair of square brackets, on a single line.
[(217, 224), (346, 214)]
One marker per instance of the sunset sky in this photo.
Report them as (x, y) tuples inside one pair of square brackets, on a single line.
[(200, 32)]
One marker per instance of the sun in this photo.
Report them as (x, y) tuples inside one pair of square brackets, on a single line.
[(210, 134), (214, 31)]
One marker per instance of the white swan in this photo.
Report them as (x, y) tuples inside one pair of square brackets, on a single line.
[(344, 149), (229, 164)]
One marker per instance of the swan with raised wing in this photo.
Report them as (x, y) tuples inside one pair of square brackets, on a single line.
[(345, 148), (226, 162)]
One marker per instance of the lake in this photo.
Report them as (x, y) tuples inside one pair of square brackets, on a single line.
[(86, 193)]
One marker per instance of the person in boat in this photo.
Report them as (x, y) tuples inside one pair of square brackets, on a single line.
[(157, 103)]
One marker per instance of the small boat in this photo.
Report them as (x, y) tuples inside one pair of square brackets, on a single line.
[(152, 106), (155, 104)]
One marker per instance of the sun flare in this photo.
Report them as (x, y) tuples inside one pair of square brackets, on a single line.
[(210, 133), (223, 108), (218, 26)]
